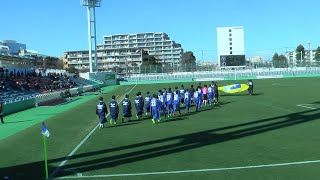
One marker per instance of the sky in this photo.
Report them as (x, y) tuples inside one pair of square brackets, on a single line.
[(52, 27)]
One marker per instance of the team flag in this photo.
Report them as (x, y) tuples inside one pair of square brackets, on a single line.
[(44, 130), (234, 88)]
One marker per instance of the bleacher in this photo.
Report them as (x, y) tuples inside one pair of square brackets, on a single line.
[(18, 88)]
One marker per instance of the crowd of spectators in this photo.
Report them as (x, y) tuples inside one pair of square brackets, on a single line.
[(32, 81)]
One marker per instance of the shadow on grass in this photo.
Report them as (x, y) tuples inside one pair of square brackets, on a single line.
[(157, 148), (19, 121), (123, 124)]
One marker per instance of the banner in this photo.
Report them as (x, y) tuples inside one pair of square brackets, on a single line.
[(234, 88)]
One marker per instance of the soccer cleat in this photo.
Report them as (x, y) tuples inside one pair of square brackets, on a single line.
[(122, 120), (146, 114), (153, 121), (137, 116), (115, 123)]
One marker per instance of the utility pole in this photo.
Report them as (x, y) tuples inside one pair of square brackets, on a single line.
[(310, 53)]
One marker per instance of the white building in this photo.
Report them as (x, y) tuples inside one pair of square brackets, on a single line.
[(230, 44), (4, 49), (158, 43), (124, 50), (14, 46), (308, 58)]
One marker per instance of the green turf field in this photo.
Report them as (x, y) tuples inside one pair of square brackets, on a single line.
[(271, 135)]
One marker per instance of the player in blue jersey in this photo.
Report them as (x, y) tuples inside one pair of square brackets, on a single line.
[(187, 100), (155, 109), (126, 108), (114, 110), (176, 102), (147, 101), (196, 99), (162, 105), (210, 94), (101, 111), (200, 95), (182, 91), (139, 103), (169, 99)]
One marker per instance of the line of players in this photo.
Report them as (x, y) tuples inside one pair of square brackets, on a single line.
[(166, 104)]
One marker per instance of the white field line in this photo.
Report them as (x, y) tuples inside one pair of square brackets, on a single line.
[(192, 171), (80, 144), (306, 106)]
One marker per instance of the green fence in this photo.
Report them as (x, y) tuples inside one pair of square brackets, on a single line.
[(18, 106)]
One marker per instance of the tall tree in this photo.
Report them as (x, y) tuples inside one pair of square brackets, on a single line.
[(300, 53), (275, 60), (283, 62), (279, 61), (150, 65), (317, 56), (188, 61)]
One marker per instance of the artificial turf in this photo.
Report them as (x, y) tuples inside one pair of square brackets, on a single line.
[(267, 128)]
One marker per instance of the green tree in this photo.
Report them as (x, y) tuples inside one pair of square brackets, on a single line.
[(275, 60), (283, 62), (300, 54), (72, 70), (150, 65), (317, 56), (188, 61), (279, 61)]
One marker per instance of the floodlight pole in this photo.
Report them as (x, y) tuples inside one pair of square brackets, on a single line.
[(92, 33)]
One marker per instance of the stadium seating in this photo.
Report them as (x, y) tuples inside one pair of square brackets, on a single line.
[(16, 88)]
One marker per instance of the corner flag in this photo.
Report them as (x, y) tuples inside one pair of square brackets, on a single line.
[(44, 130), (45, 133)]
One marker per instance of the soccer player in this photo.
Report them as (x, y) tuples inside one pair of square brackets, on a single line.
[(250, 84), (187, 100), (101, 111), (138, 102), (192, 90), (176, 102), (210, 94), (200, 96), (126, 108), (216, 93), (182, 91), (196, 100), (147, 101), (155, 109), (205, 94), (169, 100), (162, 104), (114, 110)]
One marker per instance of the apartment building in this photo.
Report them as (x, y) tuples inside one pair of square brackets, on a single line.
[(128, 50)]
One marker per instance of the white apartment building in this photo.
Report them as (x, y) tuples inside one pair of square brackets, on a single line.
[(309, 57), (128, 50), (230, 44), (107, 59)]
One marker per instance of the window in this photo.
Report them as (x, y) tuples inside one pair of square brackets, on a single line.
[(230, 48), (230, 30), (230, 52), (230, 35), (230, 39), (230, 44)]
